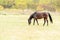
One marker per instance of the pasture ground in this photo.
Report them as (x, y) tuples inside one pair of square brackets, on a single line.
[(15, 27)]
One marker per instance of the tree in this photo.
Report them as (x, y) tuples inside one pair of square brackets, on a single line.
[(7, 3)]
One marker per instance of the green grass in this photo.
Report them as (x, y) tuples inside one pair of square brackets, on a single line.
[(15, 27)]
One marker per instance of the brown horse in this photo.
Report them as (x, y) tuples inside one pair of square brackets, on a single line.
[(39, 15)]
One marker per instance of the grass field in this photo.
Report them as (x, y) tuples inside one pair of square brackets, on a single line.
[(15, 27)]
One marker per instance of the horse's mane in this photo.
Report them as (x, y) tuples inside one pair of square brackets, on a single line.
[(32, 15)]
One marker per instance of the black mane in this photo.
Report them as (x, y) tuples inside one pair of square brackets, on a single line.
[(32, 16)]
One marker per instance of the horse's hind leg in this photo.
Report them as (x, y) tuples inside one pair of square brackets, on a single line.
[(37, 21)]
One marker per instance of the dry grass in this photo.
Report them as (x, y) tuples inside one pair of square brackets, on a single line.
[(15, 27)]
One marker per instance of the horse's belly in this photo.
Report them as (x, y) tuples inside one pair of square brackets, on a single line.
[(39, 17)]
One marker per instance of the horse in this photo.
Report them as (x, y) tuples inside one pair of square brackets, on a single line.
[(39, 15)]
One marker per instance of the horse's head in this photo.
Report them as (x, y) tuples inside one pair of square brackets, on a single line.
[(29, 21), (30, 18)]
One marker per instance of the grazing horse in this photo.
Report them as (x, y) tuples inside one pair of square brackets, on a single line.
[(39, 15)]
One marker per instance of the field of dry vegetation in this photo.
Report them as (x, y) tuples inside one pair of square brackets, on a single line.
[(15, 27)]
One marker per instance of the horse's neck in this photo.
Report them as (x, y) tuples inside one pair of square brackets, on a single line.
[(31, 17)]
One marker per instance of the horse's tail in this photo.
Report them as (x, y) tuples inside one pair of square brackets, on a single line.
[(50, 18)]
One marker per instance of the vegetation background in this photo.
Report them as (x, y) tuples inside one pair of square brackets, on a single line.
[(51, 5)]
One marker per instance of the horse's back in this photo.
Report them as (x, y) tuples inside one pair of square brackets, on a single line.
[(40, 15)]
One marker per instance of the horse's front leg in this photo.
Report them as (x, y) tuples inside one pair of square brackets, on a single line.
[(47, 22), (37, 21), (44, 22), (34, 22)]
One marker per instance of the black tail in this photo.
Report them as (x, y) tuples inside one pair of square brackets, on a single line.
[(50, 18)]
